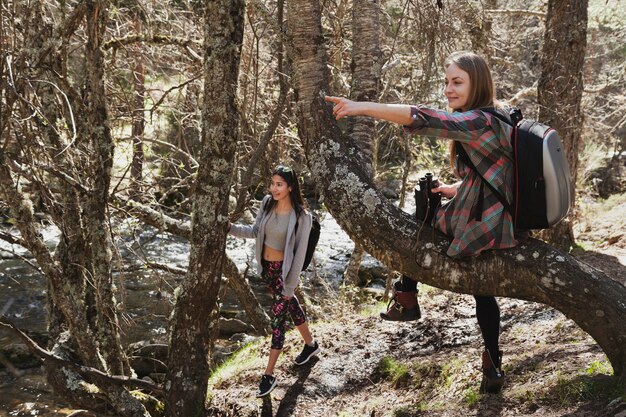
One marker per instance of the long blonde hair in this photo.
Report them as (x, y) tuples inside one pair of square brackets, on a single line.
[(482, 90)]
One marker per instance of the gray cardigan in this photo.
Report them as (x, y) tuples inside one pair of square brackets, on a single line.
[(295, 245)]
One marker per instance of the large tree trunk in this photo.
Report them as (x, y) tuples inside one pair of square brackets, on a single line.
[(191, 335), (532, 271), (560, 88)]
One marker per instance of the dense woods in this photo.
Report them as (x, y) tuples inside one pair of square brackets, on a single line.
[(173, 113)]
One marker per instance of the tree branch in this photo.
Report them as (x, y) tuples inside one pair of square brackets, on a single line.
[(516, 12), (46, 356), (155, 39)]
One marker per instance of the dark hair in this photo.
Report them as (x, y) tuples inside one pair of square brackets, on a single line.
[(295, 195), (482, 90)]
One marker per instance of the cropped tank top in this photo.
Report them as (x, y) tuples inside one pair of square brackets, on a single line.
[(276, 230)]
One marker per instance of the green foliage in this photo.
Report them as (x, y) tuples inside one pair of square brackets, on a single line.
[(373, 309), (155, 407), (600, 367), (397, 373), (448, 371), (471, 397), (591, 384), (244, 358)]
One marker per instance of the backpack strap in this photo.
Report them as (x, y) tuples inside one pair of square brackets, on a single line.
[(463, 156), (514, 116)]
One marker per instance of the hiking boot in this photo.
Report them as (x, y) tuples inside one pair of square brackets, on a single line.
[(267, 384), (307, 353), (493, 376), (402, 307)]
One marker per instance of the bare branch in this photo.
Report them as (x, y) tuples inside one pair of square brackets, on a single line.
[(14, 240), (156, 39), (65, 31), (169, 90), (167, 268), (517, 12), (524, 93), (45, 356), (158, 219), (194, 164)]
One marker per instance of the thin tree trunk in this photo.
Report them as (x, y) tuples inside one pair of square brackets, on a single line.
[(139, 97), (366, 72), (96, 219), (560, 89), (194, 317)]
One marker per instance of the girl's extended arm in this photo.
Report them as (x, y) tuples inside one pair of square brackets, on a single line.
[(396, 113)]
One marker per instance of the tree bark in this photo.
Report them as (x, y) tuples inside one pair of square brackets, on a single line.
[(139, 97), (560, 89), (96, 219), (532, 271), (366, 71), (192, 333)]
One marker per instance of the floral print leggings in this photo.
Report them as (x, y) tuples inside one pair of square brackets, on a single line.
[(272, 275)]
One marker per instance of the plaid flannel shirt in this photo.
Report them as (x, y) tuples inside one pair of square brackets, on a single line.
[(475, 219)]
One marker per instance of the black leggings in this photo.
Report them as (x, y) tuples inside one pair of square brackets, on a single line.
[(487, 314)]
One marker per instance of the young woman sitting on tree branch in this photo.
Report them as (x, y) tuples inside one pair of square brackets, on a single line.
[(474, 217)]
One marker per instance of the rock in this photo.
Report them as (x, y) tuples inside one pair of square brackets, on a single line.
[(158, 377), (390, 193), (229, 327), (373, 272), (376, 293), (151, 350), (242, 338), (148, 379), (19, 356), (614, 239), (144, 366)]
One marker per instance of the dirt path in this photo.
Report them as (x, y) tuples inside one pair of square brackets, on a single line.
[(553, 368)]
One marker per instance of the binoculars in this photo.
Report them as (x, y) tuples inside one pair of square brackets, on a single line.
[(426, 202)]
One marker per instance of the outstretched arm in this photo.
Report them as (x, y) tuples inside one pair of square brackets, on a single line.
[(396, 113)]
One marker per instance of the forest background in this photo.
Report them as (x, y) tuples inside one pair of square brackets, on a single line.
[(173, 114)]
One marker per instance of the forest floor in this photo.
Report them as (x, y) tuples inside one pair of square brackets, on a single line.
[(370, 367)]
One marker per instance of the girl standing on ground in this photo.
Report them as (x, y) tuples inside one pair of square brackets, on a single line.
[(474, 218), (281, 230)]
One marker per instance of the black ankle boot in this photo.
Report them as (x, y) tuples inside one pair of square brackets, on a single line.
[(493, 377)]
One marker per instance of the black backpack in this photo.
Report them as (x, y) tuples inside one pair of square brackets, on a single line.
[(314, 237), (541, 192)]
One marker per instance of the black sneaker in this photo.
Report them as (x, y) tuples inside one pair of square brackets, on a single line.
[(268, 383), (307, 353)]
